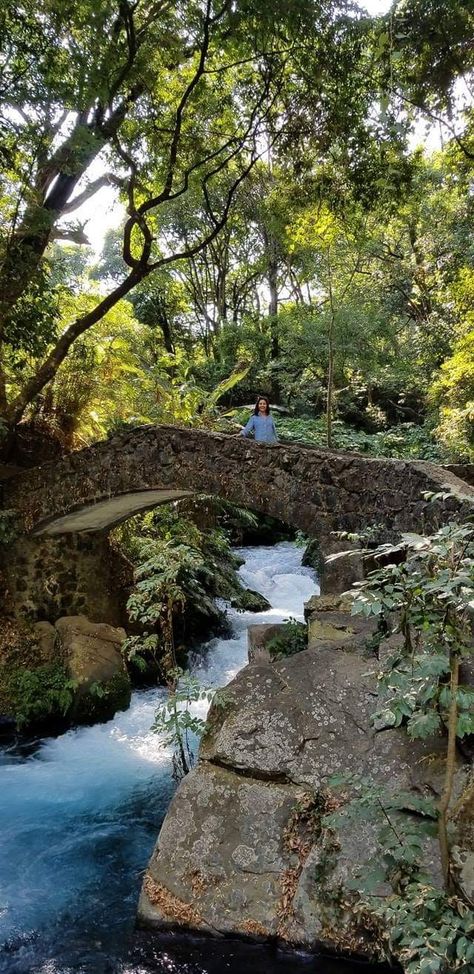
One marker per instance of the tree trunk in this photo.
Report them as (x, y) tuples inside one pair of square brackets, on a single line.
[(273, 303), (54, 187), (50, 366), (445, 799), (330, 386)]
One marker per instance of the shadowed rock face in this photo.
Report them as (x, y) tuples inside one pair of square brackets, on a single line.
[(317, 491), (243, 848)]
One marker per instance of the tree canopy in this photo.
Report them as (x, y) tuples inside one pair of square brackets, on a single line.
[(280, 224)]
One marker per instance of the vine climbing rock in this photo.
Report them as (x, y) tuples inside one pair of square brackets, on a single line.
[(243, 848)]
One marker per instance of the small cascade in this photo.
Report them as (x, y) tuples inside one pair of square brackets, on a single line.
[(79, 815)]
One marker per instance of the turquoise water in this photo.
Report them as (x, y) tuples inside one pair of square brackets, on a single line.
[(79, 815)]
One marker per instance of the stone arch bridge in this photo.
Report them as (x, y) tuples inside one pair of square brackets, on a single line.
[(66, 508)]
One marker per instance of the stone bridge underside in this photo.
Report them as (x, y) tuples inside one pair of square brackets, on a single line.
[(315, 490)]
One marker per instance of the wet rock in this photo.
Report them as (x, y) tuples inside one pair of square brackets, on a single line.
[(243, 848), (249, 601)]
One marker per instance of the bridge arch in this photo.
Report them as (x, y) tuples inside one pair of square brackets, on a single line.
[(61, 563), (316, 490)]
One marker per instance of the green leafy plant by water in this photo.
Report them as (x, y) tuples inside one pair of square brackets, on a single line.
[(426, 929), (177, 724), (432, 593), (427, 600), (292, 638), (35, 695)]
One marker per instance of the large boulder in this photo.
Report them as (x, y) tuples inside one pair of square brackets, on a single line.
[(55, 676), (93, 658), (243, 848)]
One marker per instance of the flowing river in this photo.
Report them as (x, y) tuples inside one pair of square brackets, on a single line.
[(79, 815)]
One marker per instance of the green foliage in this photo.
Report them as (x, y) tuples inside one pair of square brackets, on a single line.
[(429, 596), (293, 638), (180, 571), (404, 821), (137, 650), (164, 569), (427, 931), (421, 926), (430, 593), (175, 722), (453, 394), (404, 442), (35, 695)]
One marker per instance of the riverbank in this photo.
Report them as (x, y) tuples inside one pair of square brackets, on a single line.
[(79, 815)]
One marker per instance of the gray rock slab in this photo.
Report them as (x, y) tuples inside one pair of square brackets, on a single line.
[(220, 855), (306, 718)]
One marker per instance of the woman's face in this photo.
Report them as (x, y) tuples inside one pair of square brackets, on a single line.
[(262, 405)]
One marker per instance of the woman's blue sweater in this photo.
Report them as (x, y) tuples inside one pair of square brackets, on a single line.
[(263, 428)]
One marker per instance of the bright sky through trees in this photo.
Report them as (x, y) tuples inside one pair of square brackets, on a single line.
[(104, 211)]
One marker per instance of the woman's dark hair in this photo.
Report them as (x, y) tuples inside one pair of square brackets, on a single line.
[(265, 399)]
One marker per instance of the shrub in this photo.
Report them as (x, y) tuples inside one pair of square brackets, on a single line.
[(293, 638), (34, 695)]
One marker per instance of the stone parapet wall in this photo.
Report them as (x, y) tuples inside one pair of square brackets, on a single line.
[(314, 490), (60, 564)]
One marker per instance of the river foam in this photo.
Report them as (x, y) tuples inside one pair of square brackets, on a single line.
[(79, 815)]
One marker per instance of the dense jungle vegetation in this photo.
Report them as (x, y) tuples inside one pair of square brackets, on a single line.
[(282, 231), (293, 217)]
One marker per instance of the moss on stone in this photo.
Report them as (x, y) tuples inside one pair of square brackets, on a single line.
[(249, 601), (102, 700)]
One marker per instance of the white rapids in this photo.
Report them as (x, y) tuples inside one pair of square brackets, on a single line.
[(79, 813)]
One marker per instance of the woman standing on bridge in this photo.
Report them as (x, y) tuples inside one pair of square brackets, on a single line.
[(261, 423)]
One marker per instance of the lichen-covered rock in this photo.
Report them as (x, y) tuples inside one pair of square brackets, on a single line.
[(243, 848), (239, 856), (221, 847), (305, 718)]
